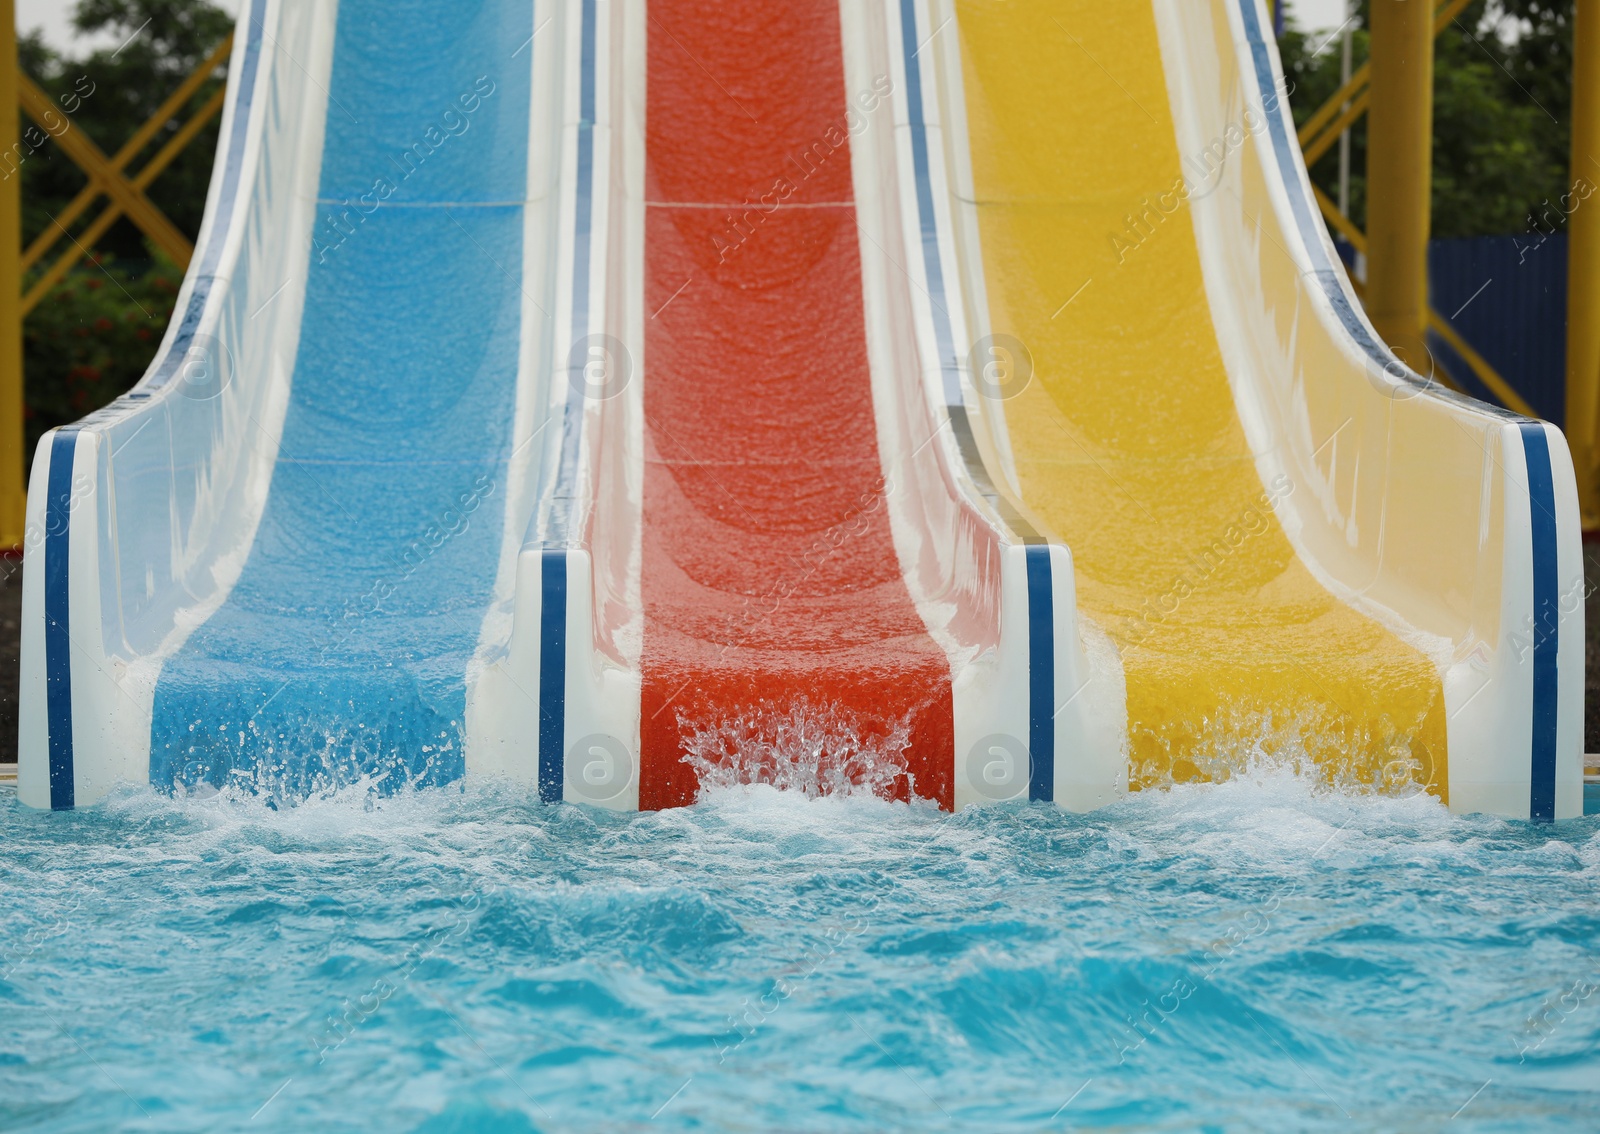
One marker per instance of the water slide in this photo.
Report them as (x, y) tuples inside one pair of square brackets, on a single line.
[(953, 399)]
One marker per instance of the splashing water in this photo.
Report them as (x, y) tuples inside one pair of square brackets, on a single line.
[(302, 760), (812, 749), (1318, 744)]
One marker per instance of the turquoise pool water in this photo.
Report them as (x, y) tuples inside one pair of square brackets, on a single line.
[(1256, 955)]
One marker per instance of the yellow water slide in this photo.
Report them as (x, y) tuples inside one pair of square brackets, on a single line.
[(1298, 548)]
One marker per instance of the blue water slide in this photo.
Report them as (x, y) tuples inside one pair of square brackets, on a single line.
[(274, 563)]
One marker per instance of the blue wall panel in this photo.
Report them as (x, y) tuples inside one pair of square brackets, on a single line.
[(1518, 319)]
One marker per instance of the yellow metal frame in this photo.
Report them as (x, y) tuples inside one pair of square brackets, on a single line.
[(81, 149), (106, 176), (1400, 176), (1437, 323)]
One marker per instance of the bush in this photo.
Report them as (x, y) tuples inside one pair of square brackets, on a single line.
[(92, 338)]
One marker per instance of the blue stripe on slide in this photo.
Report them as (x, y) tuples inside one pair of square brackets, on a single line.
[(1286, 149), (552, 674), (57, 618), (1041, 674), (928, 220), (555, 526), (1546, 622), (1287, 152), (208, 259), (933, 270), (63, 447)]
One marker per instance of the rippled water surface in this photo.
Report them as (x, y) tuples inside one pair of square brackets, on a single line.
[(1255, 955)]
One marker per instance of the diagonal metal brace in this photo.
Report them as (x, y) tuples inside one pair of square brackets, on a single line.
[(86, 239), (119, 161), (80, 148)]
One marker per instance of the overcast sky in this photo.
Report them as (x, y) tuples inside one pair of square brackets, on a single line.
[(55, 17), (1311, 14)]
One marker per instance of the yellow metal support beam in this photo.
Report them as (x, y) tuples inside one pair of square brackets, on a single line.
[(1400, 176), (1321, 120), (85, 241), (1326, 140), (1326, 113), (1322, 130), (130, 149), (81, 149), (1583, 267), (13, 472)]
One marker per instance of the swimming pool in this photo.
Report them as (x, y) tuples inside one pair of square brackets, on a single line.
[(1251, 955)]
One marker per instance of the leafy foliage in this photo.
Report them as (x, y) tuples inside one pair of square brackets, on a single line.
[(94, 336)]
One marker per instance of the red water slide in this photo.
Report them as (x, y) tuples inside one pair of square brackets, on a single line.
[(772, 595)]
